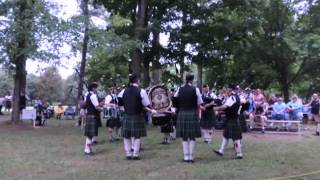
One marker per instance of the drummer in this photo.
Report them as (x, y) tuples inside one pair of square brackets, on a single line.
[(113, 121), (207, 120)]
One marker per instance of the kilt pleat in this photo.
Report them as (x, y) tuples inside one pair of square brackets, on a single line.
[(188, 125), (91, 128), (232, 129), (133, 126), (208, 119)]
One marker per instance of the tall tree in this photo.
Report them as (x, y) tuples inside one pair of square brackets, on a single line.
[(27, 26), (85, 13)]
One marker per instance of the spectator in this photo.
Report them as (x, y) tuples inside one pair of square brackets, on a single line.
[(294, 109), (37, 102), (315, 107), (82, 110), (59, 111), (2, 100), (8, 103), (279, 110)]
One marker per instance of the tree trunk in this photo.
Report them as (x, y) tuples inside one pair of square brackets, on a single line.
[(85, 11), (19, 58), (200, 74), (140, 28), (19, 87), (146, 74), (156, 66), (284, 82), (181, 72)]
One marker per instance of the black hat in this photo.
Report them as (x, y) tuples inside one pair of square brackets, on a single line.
[(189, 77), (133, 78), (92, 86), (232, 86)]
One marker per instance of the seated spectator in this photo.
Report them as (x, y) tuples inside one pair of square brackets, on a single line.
[(279, 110), (59, 111), (294, 109)]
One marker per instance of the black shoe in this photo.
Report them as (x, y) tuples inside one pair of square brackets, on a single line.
[(263, 131), (218, 152), (239, 157), (206, 142), (184, 160), (135, 158), (191, 161), (94, 142), (88, 154), (164, 142), (128, 158), (317, 133)]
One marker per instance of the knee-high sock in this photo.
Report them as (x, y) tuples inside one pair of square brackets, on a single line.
[(185, 148), (136, 147), (127, 146), (167, 137), (210, 133), (87, 147), (205, 134), (132, 143), (192, 146), (94, 139), (237, 147), (173, 134), (224, 144), (318, 127)]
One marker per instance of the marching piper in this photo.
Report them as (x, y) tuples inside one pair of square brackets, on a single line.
[(135, 101), (92, 117), (188, 126), (232, 129)]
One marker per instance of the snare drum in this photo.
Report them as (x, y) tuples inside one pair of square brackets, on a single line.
[(160, 119)]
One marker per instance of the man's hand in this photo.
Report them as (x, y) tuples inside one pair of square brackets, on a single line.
[(153, 111)]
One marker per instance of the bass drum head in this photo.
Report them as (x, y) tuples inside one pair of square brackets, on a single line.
[(160, 99)]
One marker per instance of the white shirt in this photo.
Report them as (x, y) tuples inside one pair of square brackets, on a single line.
[(144, 96), (2, 100), (93, 98), (230, 101), (199, 97)]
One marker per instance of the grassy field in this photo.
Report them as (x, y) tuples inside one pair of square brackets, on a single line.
[(56, 152)]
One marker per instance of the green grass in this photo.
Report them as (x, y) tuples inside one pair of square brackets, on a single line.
[(56, 152)]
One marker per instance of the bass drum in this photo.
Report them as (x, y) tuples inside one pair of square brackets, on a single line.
[(161, 102)]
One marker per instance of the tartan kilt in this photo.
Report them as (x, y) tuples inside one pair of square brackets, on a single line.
[(232, 129), (134, 126), (188, 125), (208, 119), (99, 122), (91, 128), (113, 122), (168, 127)]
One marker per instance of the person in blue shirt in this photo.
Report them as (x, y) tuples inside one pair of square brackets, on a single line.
[(294, 109), (278, 110)]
